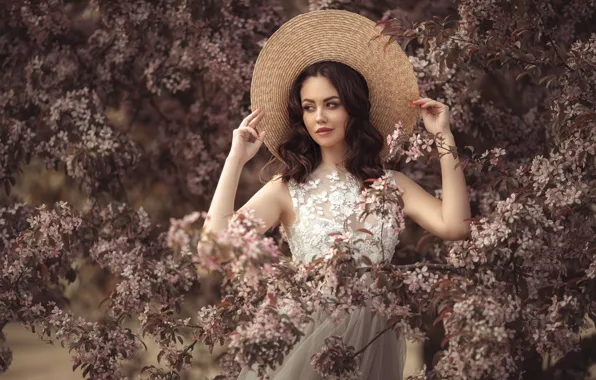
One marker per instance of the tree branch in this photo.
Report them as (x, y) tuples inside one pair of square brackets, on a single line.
[(439, 267)]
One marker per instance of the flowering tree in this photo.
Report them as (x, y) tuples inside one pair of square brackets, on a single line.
[(80, 80), (119, 95)]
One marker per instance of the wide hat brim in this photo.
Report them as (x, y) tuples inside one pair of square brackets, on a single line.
[(333, 35)]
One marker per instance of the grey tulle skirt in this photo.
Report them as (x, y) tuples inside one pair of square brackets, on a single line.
[(384, 359)]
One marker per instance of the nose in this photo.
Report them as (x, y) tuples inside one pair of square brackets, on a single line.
[(321, 119)]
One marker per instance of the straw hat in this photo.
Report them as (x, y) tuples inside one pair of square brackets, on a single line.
[(333, 35)]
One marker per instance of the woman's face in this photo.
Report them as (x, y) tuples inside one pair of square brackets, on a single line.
[(322, 108)]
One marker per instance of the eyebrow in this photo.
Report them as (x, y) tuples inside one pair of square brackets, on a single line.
[(326, 99)]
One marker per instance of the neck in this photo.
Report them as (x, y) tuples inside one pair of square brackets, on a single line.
[(333, 157), (324, 168)]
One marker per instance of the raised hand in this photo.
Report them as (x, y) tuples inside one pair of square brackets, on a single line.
[(244, 147)]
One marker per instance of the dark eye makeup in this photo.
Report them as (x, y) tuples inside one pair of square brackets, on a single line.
[(335, 105)]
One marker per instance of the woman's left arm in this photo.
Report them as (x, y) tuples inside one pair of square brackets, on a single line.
[(445, 218), (456, 205)]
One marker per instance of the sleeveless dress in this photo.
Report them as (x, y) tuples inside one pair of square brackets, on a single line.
[(321, 205)]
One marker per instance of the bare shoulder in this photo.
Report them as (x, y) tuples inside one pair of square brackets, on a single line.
[(397, 176), (276, 187), (401, 179), (277, 183)]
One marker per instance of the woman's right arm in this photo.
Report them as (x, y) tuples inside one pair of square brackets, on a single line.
[(222, 204), (266, 202)]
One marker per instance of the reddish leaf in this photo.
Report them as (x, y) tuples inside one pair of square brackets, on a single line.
[(441, 283), (383, 22), (439, 298), (45, 271), (228, 275), (103, 300), (317, 261), (423, 241), (87, 370), (574, 281), (389, 42), (471, 51), (497, 58), (515, 34), (443, 314), (272, 298), (448, 337), (111, 295), (521, 76), (364, 230)]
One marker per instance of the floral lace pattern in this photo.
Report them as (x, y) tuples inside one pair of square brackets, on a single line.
[(322, 205)]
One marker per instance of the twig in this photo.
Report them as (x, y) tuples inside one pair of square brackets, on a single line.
[(375, 338), (409, 267), (553, 43), (439, 267)]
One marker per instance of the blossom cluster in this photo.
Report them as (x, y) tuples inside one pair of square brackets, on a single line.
[(335, 362), (478, 328), (263, 317), (100, 105)]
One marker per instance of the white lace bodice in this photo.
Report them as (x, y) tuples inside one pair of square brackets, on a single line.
[(322, 204)]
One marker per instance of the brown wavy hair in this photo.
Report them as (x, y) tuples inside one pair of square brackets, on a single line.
[(301, 154)]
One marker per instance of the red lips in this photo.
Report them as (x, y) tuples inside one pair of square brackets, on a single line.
[(324, 130)]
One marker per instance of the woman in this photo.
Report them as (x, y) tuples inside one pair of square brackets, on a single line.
[(328, 94)]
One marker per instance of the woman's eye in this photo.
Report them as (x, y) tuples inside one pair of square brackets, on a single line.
[(307, 108)]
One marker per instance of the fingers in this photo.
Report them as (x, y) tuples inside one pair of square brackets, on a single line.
[(420, 102), (253, 120), (258, 113), (249, 123), (427, 102), (251, 130)]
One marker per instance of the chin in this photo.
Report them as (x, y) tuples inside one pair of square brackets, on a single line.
[(327, 144)]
